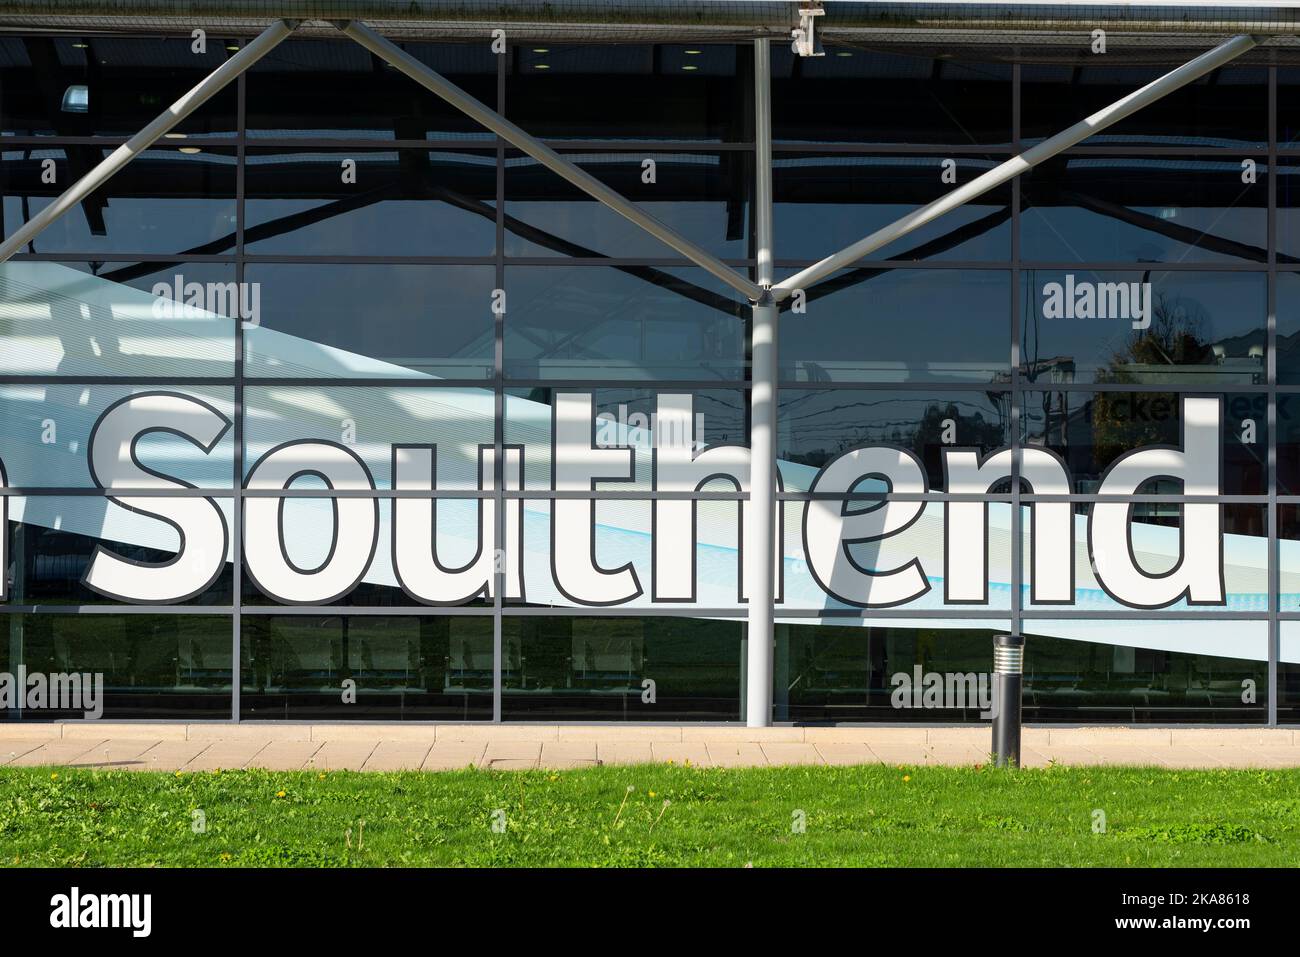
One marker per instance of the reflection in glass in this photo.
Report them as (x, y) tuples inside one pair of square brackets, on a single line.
[(1143, 327), (165, 201), (872, 324), (400, 203), (826, 202), (816, 425), (704, 197), (103, 319), (52, 541), (622, 322), (153, 666), (913, 100), (369, 320), (1090, 430), (596, 669), (630, 92), (1228, 107), (334, 89), (405, 668), (1124, 209), (109, 86)]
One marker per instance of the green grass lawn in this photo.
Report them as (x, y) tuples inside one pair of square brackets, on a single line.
[(652, 815)]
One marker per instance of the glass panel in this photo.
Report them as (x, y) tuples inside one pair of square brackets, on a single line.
[(1153, 672), (404, 668), (630, 91), (1124, 209), (1228, 107), (624, 418), (913, 100), (933, 326), (1288, 674), (315, 88), (1159, 549), (371, 321), (145, 666), (837, 558), (53, 543), (118, 319), (816, 425), (46, 431), (1144, 327), (364, 572), (600, 669), (622, 322), (1089, 431), (392, 203), (177, 201), (1288, 328), (1288, 546), (369, 421), (824, 202), (704, 197), (109, 86), (843, 672)]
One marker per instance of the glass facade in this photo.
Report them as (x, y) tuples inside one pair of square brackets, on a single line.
[(332, 406)]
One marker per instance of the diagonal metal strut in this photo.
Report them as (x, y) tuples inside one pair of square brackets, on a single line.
[(512, 134), (1187, 73), (206, 88)]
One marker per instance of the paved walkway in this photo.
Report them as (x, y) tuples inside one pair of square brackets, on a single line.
[(388, 747)]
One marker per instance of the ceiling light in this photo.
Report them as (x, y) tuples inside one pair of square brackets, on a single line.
[(76, 99)]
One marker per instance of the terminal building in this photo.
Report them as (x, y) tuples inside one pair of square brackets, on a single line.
[(651, 361)]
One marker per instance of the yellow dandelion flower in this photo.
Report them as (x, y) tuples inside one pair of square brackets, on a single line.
[(279, 794), (54, 776), (907, 777), (321, 776), (652, 794)]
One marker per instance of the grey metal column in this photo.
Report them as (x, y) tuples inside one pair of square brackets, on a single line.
[(1155, 90), (208, 87), (760, 516), (437, 84)]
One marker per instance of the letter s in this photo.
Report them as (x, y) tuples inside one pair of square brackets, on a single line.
[(204, 538)]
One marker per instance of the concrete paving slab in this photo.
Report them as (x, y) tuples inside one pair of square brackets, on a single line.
[(398, 756), (115, 753), (285, 755), (785, 753), (343, 755), (735, 754), (55, 752), (624, 752), (168, 756), (453, 755), (680, 753), (568, 754), (511, 755), (226, 755), (11, 748), (845, 752)]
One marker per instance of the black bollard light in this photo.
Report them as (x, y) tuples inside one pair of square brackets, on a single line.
[(1008, 677)]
